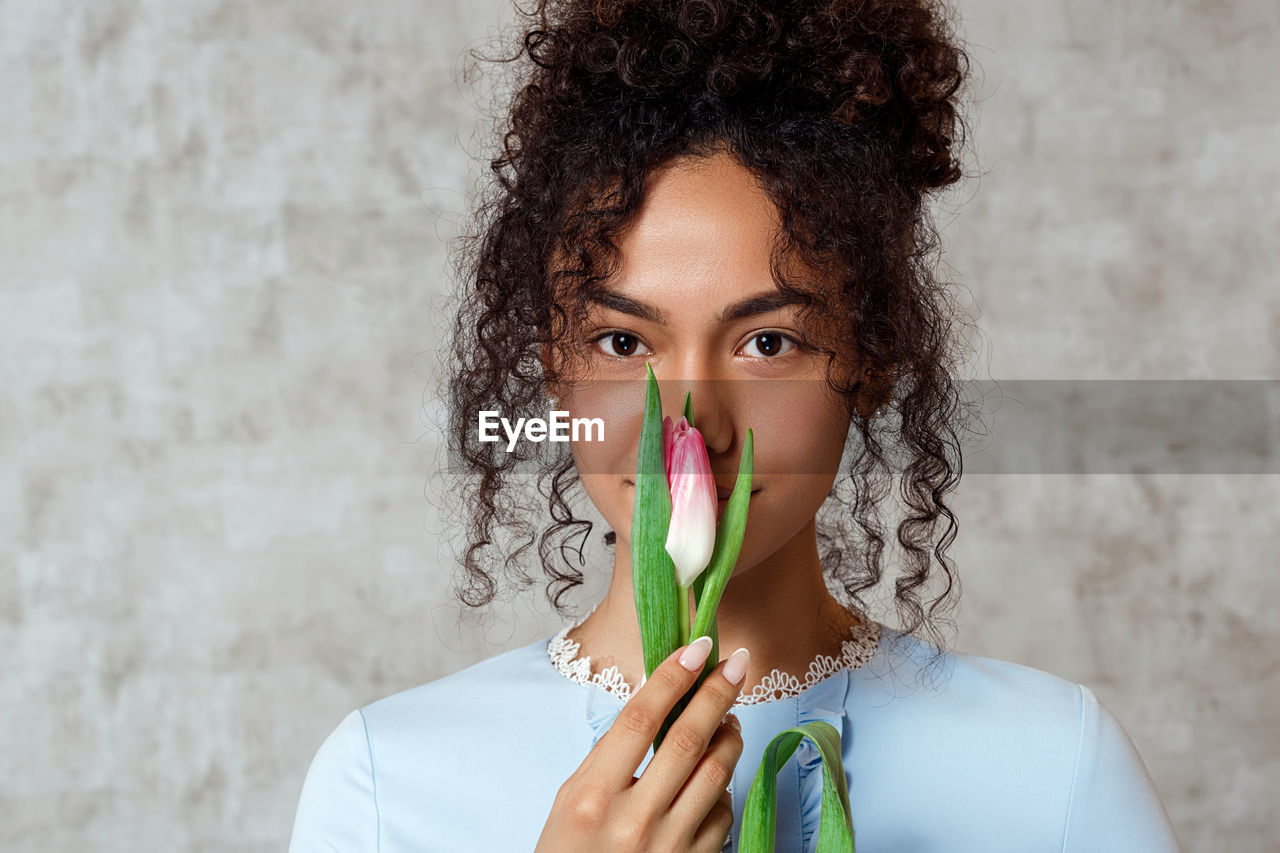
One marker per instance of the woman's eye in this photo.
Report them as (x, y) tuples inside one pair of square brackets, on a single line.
[(769, 344), (620, 344)]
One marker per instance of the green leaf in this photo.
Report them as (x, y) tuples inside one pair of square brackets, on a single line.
[(728, 545), (759, 817), (713, 657), (688, 408), (653, 574)]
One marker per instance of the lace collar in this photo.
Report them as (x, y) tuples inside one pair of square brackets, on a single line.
[(855, 651)]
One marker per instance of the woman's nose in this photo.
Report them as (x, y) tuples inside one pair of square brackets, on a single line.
[(712, 411), (716, 426)]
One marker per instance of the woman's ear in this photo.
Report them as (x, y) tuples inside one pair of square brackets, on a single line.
[(552, 389), (872, 388), (875, 387)]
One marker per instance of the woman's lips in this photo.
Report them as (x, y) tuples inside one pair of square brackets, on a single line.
[(722, 500), (722, 494)]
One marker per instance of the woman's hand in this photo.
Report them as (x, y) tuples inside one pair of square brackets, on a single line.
[(681, 802)]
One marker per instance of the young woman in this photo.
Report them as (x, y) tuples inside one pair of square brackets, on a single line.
[(732, 192)]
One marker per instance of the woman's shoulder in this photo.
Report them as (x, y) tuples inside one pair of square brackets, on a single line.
[(516, 683), (915, 670), (919, 699), (505, 704), (424, 761), (1042, 745)]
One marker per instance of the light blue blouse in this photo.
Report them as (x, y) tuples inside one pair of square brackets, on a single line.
[(985, 756)]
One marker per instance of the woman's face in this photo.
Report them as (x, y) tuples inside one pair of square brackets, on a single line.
[(694, 297)]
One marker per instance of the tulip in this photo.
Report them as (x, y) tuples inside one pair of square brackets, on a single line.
[(683, 503), (691, 535)]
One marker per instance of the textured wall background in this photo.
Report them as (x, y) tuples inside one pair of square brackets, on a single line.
[(222, 270)]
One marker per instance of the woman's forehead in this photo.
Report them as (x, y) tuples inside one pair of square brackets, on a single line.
[(707, 229)]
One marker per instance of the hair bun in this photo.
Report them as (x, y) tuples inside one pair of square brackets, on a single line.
[(889, 66), (897, 65)]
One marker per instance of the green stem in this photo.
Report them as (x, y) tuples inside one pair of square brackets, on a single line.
[(682, 609)]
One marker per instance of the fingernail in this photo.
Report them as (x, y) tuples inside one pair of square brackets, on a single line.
[(695, 655), (736, 667), (733, 723)]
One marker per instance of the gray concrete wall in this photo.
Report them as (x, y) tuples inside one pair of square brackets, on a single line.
[(221, 234)]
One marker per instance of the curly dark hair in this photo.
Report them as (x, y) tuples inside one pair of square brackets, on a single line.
[(847, 114)]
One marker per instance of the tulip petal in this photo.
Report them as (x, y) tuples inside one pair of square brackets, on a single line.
[(691, 535)]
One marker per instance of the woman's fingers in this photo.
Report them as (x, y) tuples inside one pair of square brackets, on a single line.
[(704, 799), (603, 806), (685, 746), (715, 827), (628, 739)]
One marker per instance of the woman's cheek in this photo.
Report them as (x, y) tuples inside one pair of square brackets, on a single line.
[(603, 468), (606, 498), (618, 407)]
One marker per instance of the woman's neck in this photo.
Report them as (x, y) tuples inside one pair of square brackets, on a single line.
[(780, 609)]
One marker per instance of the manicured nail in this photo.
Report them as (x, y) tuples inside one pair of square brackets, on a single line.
[(695, 655), (736, 667)]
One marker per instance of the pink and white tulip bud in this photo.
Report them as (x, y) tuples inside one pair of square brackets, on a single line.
[(691, 536)]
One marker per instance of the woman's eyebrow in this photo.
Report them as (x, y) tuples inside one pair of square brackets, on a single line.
[(606, 298), (760, 304), (752, 306)]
